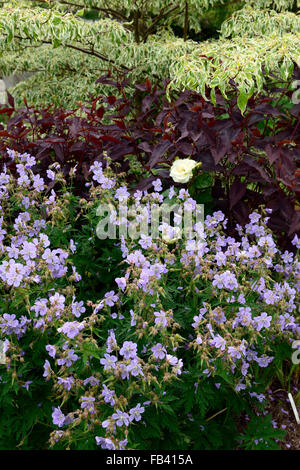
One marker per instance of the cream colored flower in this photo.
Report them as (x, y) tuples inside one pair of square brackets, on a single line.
[(182, 170)]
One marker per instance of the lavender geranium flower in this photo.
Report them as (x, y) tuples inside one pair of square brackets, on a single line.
[(72, 246), (243, 317), (47, 369), (111, 343), (51, 350), (13, 251), (145, 241), (225, 280), (287, 257), (38, 183), (177, 369), (133, 320), (109, 362), (122, 444), (9, 324), (57, 301), (12, 273), (264, 360), (44, 240), (40, 307), (218, 342), (23, 180), (27, 384), (91, 381), (234, 352), (121, 281), (88, 404), (69, 358), (136, 413), (219, 316), (220, 258), (77, 308), (244, 368), (240, 387), (260, 396), (58, 417), (50, 257), (71, 329), (135, 368), (129, 350), (172, 360), (51, 175), (159, 351), (270, 297), (157, 185), (296, 241), (123, 369), (110, 298), (121, 418), (262, 321), (161, 319), (108, 395), (67, 382), (105, 443), (286, 321), (28, 251), (122, 194)]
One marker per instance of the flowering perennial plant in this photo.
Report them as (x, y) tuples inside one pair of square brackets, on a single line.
[(182, 342)]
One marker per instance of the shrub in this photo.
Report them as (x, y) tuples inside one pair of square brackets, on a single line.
[(155, 38), (185, 339), (248, 159)]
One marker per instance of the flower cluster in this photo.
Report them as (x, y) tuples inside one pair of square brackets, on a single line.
[(183, 315)]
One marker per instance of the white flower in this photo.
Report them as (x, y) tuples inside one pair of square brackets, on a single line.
[(182, 170)]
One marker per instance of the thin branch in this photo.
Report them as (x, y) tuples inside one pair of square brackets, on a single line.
[(136, 27), (160, 16), (81, 49), (50, 13)]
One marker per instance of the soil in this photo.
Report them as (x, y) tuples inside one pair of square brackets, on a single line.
[(283, 415)]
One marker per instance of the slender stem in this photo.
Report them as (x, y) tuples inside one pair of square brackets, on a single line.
[(216, 414), (136, 27), (186, 20), (160, 16)]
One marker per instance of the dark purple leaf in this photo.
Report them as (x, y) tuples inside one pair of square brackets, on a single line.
[(236, 192)]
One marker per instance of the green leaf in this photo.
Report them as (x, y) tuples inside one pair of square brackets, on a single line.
[(56, 43), (203, 180), (91, 349), (242, 101), (80, 12)]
